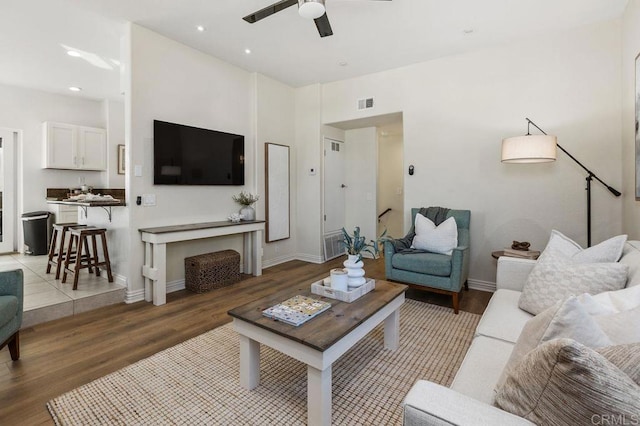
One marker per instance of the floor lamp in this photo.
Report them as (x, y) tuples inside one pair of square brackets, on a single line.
[(541, 149)]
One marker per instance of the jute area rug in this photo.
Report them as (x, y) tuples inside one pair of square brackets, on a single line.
[(197, 382)]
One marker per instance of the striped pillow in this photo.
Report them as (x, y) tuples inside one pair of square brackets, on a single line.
[(565, 383)]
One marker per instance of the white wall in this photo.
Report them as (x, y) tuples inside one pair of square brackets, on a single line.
[(175, 83), (361, 160), (309, 155), (275, 114), (114, 114), (630, 49), (456, 110), (390, 184)]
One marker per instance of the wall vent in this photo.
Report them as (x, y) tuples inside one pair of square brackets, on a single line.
[(333, 246), (366, 103)]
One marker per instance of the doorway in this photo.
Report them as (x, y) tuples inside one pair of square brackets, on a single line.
[(334, 197), (8, 191), (372, 160)]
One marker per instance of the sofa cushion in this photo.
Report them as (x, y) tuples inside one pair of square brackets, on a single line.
[(8, 309), (606, 251), (481, 368), (436, 239), (555, 277), (564, 382), (423, 263), (502, 318)]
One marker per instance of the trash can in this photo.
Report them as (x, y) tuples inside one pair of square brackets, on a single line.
[(36, 228)]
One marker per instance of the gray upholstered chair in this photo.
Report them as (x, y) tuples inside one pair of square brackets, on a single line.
[(439, 273), (11, 304)]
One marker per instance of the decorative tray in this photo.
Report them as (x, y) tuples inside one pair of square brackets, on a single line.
[(320, 288)]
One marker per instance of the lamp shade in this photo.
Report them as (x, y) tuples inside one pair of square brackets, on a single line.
[(311, 9), (529, 149)]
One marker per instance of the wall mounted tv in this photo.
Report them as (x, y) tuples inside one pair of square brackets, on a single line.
[(185, 155)]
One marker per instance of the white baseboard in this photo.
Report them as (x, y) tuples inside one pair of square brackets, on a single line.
[(309, 258), (278, 260), (133, 296), (176, 285), (482, 285)]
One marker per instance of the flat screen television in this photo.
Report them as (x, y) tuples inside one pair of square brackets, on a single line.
[(185, 155)]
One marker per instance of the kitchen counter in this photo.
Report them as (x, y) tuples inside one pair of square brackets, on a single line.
[(96, 203), (105, 204)]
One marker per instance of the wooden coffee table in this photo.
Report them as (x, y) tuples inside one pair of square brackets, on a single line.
[(320, 341)]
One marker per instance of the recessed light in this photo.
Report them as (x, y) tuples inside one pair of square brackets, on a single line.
[(75, 89), (73, 53), (201, 28), (247, 51), (468, 31), (343, 63)]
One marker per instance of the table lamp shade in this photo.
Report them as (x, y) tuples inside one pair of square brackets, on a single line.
[(529, 149)]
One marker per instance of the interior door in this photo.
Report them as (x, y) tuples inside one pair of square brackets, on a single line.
[(7, 191), (334, 185)]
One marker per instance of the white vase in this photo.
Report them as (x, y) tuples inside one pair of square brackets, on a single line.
[(354, 271), (248, 213)]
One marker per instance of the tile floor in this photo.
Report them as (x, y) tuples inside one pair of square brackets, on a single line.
[(46, 298)]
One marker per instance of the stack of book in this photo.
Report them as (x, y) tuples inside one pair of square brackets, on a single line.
[(296, 310), (525, 254)]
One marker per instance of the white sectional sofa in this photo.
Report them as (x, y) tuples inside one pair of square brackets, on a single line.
[(469, 399)]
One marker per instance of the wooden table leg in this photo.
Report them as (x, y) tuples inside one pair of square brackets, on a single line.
[(392, 330), (249, 363), (318, 396)]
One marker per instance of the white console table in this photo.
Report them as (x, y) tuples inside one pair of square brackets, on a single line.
[(155, 250)]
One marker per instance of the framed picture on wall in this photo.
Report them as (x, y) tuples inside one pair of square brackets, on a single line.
[(121, 159), (637, 134)]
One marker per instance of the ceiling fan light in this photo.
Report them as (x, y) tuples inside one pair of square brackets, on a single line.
[(311, 9)]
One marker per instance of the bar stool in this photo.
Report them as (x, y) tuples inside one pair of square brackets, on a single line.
[(79, 238), (57, 253)]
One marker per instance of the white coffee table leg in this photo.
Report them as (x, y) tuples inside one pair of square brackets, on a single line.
[(249, 363), (392, 330), (318, 396)]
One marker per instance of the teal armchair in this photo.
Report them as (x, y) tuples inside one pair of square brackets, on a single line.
[(11, 305), (439, 273)]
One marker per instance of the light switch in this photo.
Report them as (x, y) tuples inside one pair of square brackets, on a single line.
[(137, 170), (148, 200)]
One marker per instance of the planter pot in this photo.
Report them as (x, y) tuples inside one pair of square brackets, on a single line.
[(354, 271), (248, 213)]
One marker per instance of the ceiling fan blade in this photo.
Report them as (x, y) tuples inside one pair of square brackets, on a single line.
[(269, 10), (323, 26)]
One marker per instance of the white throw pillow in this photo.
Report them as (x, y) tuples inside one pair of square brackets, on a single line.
[(607, 251), (568, 318), (436, 239), (556, 276)]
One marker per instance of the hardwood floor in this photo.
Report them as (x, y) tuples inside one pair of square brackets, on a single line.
[(61, 355)]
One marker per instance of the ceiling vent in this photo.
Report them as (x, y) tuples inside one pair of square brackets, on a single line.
[(366, 103)]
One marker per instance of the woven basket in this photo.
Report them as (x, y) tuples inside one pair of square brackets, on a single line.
[(211, 270)]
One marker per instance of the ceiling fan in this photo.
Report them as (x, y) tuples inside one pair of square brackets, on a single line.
[(310, 9)]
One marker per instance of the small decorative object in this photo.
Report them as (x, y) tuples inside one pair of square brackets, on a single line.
[(121, 165), (246, 199), (524, 245), (355, 245), (235, 217), (339, 279)]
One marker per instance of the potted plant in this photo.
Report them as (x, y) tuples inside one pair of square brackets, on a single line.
[(246, 200), (355, 245)]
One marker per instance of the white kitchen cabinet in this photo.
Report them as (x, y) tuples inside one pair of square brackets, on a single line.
[(67, 146), (63, 213)]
